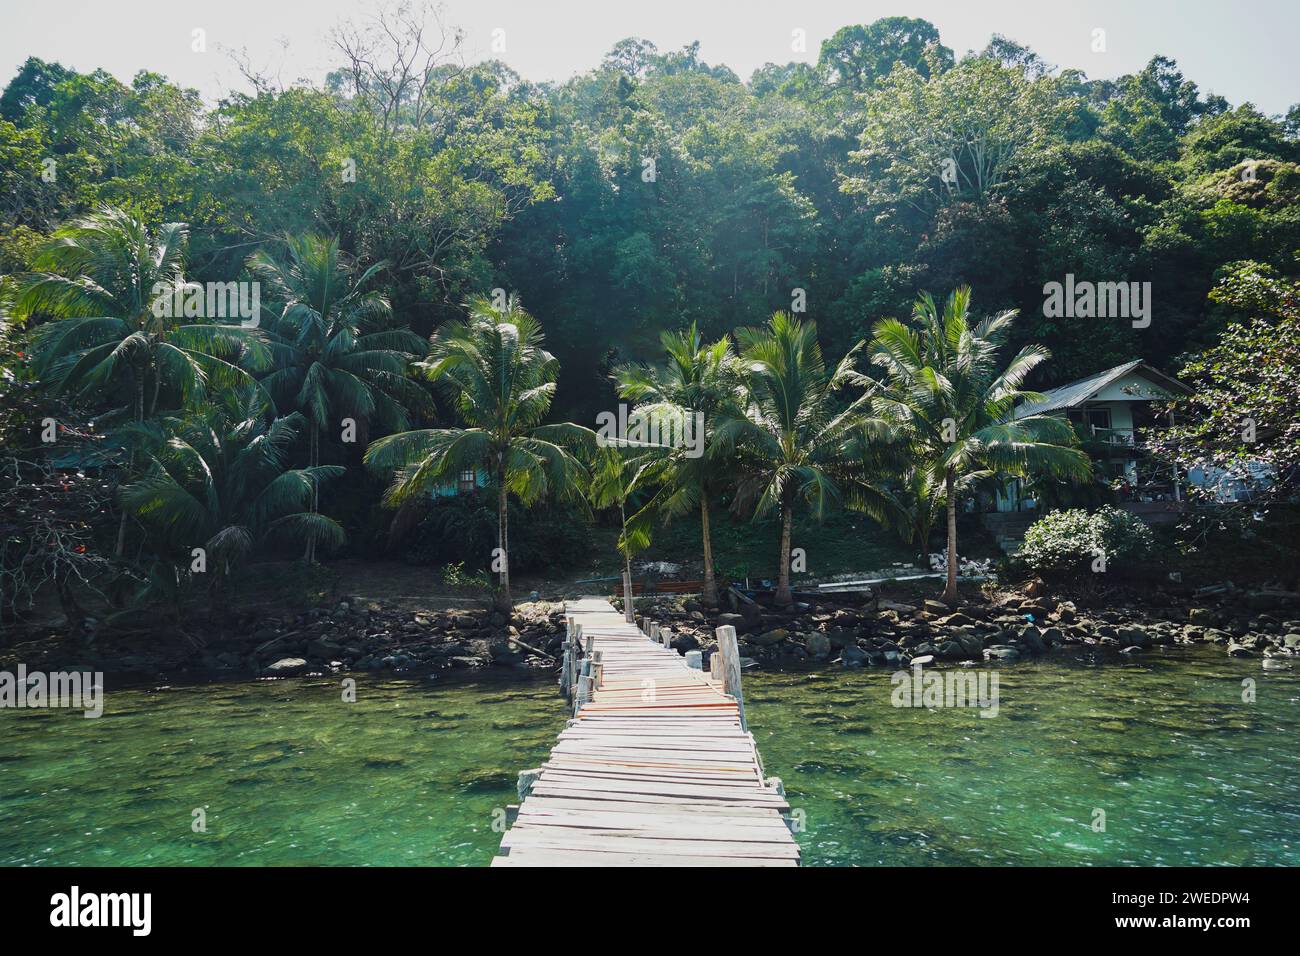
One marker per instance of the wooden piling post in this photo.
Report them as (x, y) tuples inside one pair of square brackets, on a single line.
[(597, 669), (731, 668), (569, 669), (584, 689), (526, 780), (666, 637)]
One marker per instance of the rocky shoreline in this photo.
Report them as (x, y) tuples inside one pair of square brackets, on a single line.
[(355, 634), (352, 634), (1005, 626)]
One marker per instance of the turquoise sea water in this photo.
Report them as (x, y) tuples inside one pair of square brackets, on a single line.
[(416, 771)]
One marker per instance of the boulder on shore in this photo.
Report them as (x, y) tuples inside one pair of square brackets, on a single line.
[(286, 667), (819, 646)]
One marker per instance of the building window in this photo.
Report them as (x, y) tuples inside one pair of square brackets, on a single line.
[(1098, 419), (466, 482)]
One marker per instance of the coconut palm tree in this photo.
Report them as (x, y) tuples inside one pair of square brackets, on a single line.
[(501, 381), (699, 383), (793, 440), (618, 475), (106, 283), (335, 355), (947, 391), (906, 498), (217, 479)]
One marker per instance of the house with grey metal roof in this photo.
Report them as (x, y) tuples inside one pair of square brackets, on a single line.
[(1109, 410)]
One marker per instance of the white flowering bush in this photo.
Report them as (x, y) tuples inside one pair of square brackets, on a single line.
[(965, 566), (1072, 540)]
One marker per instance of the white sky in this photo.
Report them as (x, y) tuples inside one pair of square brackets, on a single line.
[(1239, 50)]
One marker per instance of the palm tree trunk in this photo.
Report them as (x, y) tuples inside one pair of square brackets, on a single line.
[(629, 607), (710, 583), (783, 595), (950, 589), (130, 465), (313, 459), (504, 602), (153, 399)]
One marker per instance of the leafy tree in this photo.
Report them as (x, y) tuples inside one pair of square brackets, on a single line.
[(619, 473), (107, 283), (501, 381), (859, 57), (910, 500), (1153, 109), (335, 356), (1240, 423), (631, 56), (218, 479), (791, 442), (35, 85), (1238, 136), (947, 392), (1009, 53), (957, 136), (700, 383)]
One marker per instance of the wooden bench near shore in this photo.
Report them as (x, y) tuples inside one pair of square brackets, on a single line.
[(657, 767)]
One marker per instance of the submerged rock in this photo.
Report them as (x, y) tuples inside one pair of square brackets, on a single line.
[(852, 657)]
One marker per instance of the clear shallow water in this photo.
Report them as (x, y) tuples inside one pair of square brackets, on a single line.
[(290, 774), (1186, 773), (412, 772)]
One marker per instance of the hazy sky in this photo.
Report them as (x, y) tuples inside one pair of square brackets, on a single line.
[(1244, 51)]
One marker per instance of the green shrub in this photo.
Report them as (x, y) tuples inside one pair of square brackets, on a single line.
[(455, 576), (1072, 540)]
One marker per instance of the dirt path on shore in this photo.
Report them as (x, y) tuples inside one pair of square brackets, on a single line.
[(410, 587)]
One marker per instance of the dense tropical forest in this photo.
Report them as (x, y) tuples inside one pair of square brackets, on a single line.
[(459, 270)]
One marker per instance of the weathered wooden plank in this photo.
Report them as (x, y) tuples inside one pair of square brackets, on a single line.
[(620, 841), (526, 856), (691, 810), (728, 828)]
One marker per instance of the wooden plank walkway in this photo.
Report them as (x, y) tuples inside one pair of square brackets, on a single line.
[(655, 769)]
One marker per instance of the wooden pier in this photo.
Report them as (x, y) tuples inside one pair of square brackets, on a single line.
[(657, 768)]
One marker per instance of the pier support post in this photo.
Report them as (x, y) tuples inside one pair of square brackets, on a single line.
[(569, 667), (526, 780), (695, 660), (584, 690), (731, 669)]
